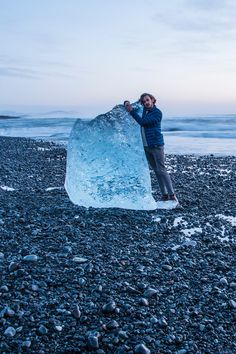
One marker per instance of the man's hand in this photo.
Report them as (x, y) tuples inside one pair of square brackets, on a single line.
[(128, 106)]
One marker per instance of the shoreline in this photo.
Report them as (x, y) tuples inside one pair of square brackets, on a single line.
[(64, 143), (167, 275)]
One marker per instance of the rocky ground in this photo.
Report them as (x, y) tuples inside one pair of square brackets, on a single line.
[(76, 280)]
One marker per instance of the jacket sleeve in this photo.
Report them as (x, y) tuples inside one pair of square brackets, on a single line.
[(149, 119)]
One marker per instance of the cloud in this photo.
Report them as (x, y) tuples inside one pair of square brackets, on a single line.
[(20, 67), (19, 72), (209, 5), (198, 16)]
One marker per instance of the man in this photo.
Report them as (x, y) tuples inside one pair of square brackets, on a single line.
[(153, 142)]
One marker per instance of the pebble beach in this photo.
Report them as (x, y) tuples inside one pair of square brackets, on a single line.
[(77, 280)]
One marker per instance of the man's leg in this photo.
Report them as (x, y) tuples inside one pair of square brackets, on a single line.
[(160, 170), (155, 165)]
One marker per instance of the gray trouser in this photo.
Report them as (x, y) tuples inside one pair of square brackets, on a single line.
[(156, 159)]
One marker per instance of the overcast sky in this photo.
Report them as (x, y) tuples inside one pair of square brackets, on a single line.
[(93, 54)]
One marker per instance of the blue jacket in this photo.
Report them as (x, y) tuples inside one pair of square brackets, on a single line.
[(151, 122)]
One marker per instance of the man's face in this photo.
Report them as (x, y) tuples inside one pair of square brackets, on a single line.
[(148, 102)]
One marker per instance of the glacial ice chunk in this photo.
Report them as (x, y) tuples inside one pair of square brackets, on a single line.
[(106, 163)]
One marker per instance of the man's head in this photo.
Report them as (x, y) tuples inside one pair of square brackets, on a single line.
[(147, 100)]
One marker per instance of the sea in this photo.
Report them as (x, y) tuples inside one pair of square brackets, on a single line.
[(184, 135)]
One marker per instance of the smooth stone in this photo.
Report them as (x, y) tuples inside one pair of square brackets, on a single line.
[(43, 329), (99, 288), (190, 243), (167, 267), (141, 349), (1, 255), (202, 327), (26, 344), (232, 285), (93, 342), (153, 319), (140, 268), (58, 328), (144, 302), (13, 266), (150, 292), (76, 312), (35, 287), (162, 322), (80, 260), (123, 334), (112, 325), (9, 312), (109, 307), (232, 304), (223, 281), (10, 332), (67, 249), (4, 288), (82, 281), (30, 258), (141, 286)]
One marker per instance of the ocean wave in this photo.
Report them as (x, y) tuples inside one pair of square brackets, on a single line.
[(8, 117)]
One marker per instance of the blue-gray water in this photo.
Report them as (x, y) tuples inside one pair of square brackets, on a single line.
[(202, 135)]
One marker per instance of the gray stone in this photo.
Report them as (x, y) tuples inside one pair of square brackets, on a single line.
[(13, 266), (80, 259), (67, 249), (9, 312), (58, 328), (30, 258), (4, 288), (162, 322), (202, 327), (82, 281), (109, 307), (123, 334), (43, 330), (93, 342), (232, 304), (35, 287), (144, 302), (26, 344), (10, 332), (99, 288), (153, 319), (76, 312), (141, 349), (190, 243), (223, 281), (166, 267), (150, 292), (112, 325)]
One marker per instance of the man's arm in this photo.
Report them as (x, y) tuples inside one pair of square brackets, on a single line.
[(149, 119)]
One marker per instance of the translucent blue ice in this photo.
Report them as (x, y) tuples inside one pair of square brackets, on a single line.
[(106, 163)]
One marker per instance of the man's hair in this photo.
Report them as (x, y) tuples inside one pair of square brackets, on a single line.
[(147, 94), (126, 101)]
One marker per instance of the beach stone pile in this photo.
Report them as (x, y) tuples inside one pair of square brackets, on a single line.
[(76, 280)]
